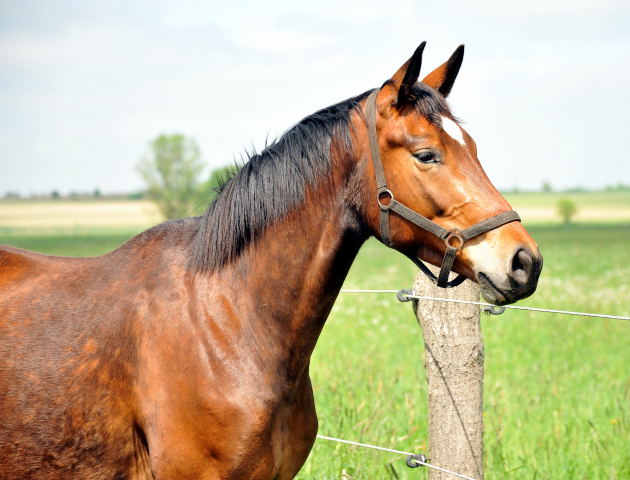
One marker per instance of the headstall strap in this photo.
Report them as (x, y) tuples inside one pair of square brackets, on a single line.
[(454, 239)]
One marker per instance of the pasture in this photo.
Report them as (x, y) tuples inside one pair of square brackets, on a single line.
[(557, 388)]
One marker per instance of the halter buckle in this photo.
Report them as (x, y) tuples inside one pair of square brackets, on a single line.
[(387, 195), (455, 236)]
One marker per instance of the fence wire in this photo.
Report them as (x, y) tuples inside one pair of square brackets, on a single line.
[(418, 459), (490, 305)]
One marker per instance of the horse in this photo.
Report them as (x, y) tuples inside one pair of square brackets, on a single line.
[(184, 354)]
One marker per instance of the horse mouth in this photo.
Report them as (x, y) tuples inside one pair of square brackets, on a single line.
[(492, 293)]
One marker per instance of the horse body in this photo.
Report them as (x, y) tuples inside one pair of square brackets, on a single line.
[(151, 370), (185, 353)]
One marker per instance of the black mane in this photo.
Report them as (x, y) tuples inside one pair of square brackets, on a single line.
[(274, 181)]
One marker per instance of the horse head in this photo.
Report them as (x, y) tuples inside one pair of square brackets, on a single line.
[(428, 195)]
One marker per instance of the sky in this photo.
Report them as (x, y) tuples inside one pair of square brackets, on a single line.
[(86, 84)]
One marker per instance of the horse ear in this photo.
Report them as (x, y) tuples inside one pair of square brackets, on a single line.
[(443, 77), (407, 75)]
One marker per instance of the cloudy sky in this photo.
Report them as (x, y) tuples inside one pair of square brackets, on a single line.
[(84, 85)]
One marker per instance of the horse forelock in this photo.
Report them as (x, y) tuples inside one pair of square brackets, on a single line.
[(269, 184), (427, 102)]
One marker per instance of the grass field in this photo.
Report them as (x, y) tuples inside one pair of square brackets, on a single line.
[(557, 388)]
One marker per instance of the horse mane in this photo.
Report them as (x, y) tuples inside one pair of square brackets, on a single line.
[(270, 183)]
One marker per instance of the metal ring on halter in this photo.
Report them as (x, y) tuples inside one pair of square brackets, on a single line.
[(387, 192), (455, 234)]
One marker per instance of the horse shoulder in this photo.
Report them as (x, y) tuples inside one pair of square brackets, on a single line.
[(205, 378)]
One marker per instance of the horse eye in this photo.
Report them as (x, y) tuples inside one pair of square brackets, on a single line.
[(427, 156)]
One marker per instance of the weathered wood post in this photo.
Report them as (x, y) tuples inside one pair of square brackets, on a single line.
[(454, 366)]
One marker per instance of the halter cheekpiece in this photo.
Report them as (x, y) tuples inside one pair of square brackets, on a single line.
[(453, 239)]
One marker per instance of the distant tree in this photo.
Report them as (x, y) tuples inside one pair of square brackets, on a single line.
[(566, 209), (55, 195), (546, 187), (96, 193), (136, 196), (620, 187), (171, 171), (576, 190)]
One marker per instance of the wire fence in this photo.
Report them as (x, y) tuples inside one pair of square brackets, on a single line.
[(415, 460), (494, 309)]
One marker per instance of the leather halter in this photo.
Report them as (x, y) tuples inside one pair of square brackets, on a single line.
[(453, 239)]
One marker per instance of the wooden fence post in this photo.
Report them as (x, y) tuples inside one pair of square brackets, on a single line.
[(454, 366)]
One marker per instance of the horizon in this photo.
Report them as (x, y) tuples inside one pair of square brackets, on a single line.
[(140, 194)]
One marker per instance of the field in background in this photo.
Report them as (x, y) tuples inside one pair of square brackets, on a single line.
[(557, 389), (70, 216), (88, 216), (592, 207)]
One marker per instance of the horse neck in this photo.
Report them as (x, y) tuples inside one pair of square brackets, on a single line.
[(286, 282)]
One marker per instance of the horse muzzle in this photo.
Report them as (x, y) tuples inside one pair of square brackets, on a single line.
[(520, 280)]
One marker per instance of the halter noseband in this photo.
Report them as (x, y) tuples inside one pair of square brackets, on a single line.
[(453, 239)]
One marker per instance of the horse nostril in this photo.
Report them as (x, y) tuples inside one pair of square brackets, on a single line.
[(522, 266)]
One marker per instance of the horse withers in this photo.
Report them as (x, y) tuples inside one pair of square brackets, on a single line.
[(184, 354)]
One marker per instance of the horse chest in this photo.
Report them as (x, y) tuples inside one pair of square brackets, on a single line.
[(232, 433), (286, 437)]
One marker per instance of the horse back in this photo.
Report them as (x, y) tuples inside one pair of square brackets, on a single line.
[(15, 263)]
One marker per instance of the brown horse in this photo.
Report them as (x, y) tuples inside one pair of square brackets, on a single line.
[(184, 354)]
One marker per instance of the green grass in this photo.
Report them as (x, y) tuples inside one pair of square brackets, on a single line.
[(557, 388), (83, 244)]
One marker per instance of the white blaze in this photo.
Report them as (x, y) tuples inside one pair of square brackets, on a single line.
[(455, 132)]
